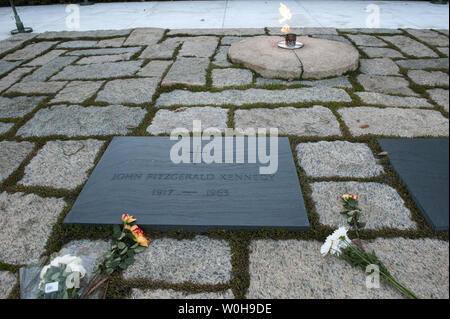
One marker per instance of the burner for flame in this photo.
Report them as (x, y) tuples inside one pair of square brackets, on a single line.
[(290, 42)]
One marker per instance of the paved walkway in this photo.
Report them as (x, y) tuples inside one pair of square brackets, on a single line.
[(231, 14), (63, 96)]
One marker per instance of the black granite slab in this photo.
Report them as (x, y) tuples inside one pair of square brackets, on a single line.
[(135, 175), (423, 166)]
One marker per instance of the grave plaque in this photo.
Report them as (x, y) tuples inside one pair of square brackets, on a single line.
[(136, 176), (422, 164)]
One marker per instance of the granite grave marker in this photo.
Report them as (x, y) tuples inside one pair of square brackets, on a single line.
[(136, 176)]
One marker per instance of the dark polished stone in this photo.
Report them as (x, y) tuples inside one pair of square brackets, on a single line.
[(136, 176), (423, 166)]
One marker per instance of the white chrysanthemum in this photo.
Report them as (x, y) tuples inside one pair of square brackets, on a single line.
[(335, 242), (73, 261), (75, 267)]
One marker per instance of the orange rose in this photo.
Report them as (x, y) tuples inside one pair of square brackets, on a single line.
[(138, 234), (128, 219)]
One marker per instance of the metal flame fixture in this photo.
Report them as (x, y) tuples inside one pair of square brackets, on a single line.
[(290, 42)]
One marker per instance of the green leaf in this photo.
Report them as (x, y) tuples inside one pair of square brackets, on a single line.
[(139, 250), (129, 261), (349, 220), (123, 265), (121, 245), (109, 271), (116, 231), (124, 251), (135, 246)]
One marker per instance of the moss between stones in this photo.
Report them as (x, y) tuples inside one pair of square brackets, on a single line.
[(239, 240)]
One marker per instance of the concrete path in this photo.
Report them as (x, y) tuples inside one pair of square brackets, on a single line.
[(230, 14)]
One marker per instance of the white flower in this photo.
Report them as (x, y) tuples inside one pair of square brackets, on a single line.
[(73, 264), (335, 242), (74, 267)]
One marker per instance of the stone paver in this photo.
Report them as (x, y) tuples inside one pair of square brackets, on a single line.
[(221, 57), (200, 260), (5, 127), (108, 43), (230, 40), (30, 51), (12, 154), (380, 204), (144, 36), (7, 283), (30, 216), (443, 51), (430, 37), (199, 47), (339, 158), (173, 294), (333, 37), (77, 120), (373, 52), (104, 58), (231, 77), (13, 77), (18, 106), (135, 91), (62, 164), (130, 51), (76, 44), (165, 121), (381, 66), (372, 98), (227, 32), (315, 121), (339, 82), (46, 58), (38, 87), (433, 78), (394, 121), (252, 96), (98, 71), (419, 64), (155, 68), (6, 66), (187, 71), (295, 269), (440, 96), (164, 50), (49, 69), (15, 41), (77, 91), (385, 84), (83, 34), (371, 31), (410, 46), (366, 40)]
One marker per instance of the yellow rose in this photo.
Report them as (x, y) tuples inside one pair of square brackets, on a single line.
[(348, 196)]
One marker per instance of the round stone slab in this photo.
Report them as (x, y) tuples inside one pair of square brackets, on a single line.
[(319, 58)]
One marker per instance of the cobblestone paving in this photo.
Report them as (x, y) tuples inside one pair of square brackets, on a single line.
[(65, 95)]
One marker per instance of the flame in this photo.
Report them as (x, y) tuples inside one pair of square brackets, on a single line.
[(286, 15), (286, 29)]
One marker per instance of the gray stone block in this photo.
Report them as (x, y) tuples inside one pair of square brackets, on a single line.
[(429, 36), (187, 71), (7, 282), (98, 71), (18, 106), (381, 66), (49, 69), (440, 97), (77, 91), (385, 84), (173, 294), (200, 260), (33, 218), (373, 52), (315, 121), (13, 77), (380, 204), (252, 96), (366, 40), (429, 78), (144, 36), (165, 120), (30, 51), (12, 154), (410, 46), (394, 121), (231, 77), (155, 68), (372, 98), (77, 120), (38, 87), (132, 91), (339, 158), (62, 164), (419, 64)]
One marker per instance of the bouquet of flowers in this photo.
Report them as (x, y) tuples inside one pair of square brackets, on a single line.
[(339, 244), (128, 241), (61, 278)]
